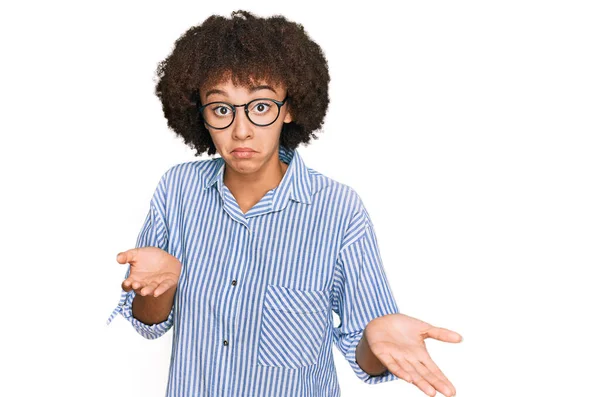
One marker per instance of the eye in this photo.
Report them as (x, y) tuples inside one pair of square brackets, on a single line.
[(221, 110), (260, 107)]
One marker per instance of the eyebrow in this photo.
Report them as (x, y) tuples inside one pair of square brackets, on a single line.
[(262, 87), (252, 90)]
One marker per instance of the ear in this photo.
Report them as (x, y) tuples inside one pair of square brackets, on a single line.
[(288, 117)]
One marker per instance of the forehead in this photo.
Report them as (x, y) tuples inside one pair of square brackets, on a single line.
[(225, 85)]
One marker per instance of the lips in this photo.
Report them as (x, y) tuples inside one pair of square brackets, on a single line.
[(243, 153)]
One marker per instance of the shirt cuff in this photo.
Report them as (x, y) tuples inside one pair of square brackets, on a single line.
[(362, 375), (147, 331)]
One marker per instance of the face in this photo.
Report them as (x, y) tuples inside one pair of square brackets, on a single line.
[(242, 133)]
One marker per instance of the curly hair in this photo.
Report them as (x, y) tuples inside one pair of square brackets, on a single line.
[(245, 49)]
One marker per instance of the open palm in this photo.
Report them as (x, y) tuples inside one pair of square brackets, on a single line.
[(398, 342), (152, 270)]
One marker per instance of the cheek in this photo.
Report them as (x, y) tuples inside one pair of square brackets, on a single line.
[(216, 138), (218, 142), (275, 132)]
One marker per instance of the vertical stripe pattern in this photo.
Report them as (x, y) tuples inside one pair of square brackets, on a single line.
[(253, 310)]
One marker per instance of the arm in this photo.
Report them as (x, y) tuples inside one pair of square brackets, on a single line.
[(367, 361), (150, 276), (361, 293), (150, 310)]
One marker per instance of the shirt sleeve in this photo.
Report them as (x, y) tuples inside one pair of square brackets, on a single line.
[(154, 233), (361, 291)]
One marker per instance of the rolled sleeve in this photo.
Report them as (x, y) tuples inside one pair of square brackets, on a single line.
[(361, 291), (154, 233), (147, 331)]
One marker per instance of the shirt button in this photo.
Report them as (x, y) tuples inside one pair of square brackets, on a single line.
[(225, 343), (234, 283)]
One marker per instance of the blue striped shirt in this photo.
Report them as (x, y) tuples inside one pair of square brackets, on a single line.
[(253, 309)]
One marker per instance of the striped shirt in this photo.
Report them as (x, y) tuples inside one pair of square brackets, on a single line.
[(253, 309)]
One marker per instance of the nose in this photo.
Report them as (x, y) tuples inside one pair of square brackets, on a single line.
[(242, 127)]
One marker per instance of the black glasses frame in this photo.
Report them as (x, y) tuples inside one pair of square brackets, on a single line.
[(245, 105)]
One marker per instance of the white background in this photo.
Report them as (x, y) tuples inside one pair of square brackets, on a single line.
[(469, 129)]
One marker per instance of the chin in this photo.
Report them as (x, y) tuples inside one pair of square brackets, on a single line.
[(243, 166)]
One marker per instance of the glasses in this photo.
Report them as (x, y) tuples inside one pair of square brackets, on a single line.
[(261, 112)]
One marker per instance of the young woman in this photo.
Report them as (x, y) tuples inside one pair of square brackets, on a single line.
[(248, 254)]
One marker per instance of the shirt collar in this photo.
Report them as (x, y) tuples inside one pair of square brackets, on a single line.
[(295, 185)]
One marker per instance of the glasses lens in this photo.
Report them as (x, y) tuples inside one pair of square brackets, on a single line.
[(263, 111), (218, 114)]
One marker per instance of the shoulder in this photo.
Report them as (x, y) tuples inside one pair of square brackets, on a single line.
[(191, 172), (325, 188), (344, 204)]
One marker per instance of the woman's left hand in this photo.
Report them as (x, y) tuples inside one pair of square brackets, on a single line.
[(398, 342)]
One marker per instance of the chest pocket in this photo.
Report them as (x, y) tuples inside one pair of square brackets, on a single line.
[(293, 327)]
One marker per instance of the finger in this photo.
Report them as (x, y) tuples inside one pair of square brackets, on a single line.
[(149, 288), (138, 291), (126, 285), (127, 256), (417, 379), (443, 334), (428, 362), (433, 382), (163, 287), (137, 285), (395, 368)]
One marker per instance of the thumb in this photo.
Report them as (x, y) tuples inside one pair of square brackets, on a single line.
[(127, 256), (445, 335)]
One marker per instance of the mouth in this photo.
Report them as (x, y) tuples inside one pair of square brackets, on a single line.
[(243, 149), (243, 153)]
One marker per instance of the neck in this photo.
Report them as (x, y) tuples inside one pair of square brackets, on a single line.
[(257, 183)]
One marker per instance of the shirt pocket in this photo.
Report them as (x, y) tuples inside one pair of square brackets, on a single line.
[(293, 327)]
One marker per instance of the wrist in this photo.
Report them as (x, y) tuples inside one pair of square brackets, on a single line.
[(366, 360), (175, 267)]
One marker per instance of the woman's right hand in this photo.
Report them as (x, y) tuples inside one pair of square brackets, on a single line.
[(152, 270)]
